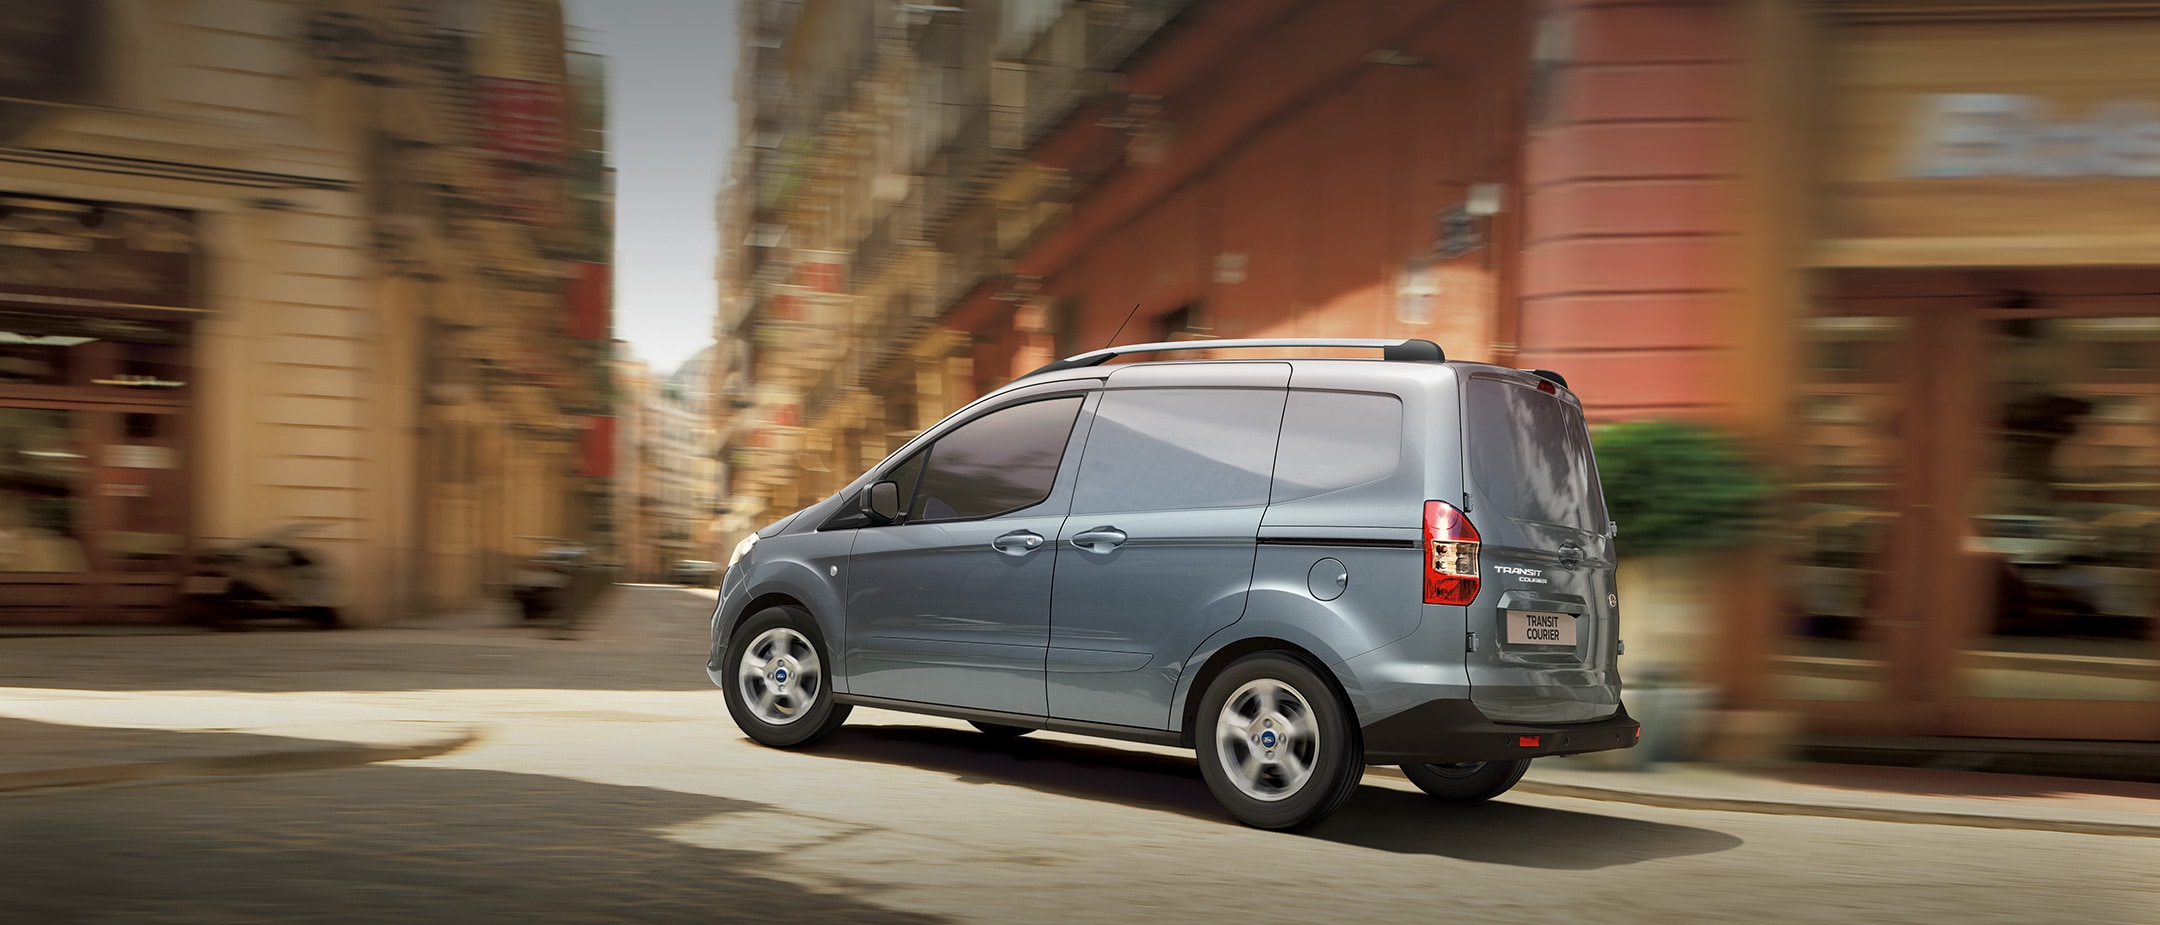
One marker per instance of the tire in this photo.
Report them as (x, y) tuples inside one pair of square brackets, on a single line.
[(1466, 783), (783, 699), (997, 731), (1274, 693)]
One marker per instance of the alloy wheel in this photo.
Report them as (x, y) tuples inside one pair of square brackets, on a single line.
[(779, 676), (1267, 739)]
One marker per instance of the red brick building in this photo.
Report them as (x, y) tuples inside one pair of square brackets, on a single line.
[(1905, 248)]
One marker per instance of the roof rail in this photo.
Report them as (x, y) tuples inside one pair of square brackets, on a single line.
[(1407, 351)]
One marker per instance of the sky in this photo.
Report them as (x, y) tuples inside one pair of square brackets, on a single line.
[(671, 121)]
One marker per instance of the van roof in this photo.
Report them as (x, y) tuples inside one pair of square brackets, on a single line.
[(1407, 352)]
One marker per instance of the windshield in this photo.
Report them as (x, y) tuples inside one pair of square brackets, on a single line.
[(1529, 452)]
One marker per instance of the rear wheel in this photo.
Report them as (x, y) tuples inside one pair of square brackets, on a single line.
[(1468, 782), (778, 689), (997, 731), (1275, 743)]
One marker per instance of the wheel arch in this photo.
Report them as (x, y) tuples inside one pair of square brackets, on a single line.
[(1221, 658)]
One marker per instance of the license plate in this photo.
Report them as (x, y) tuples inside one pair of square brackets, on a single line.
[(1540, 628), (205, 584)]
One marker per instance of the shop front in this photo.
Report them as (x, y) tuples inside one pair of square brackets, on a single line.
[(1975, 538), (97, 301)]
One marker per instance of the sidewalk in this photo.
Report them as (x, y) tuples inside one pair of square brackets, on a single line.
[(1909, 795)]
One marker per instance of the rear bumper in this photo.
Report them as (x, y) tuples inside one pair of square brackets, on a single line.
[(1448, 731)]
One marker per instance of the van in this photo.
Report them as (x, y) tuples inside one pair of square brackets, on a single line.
[(1294, 567)]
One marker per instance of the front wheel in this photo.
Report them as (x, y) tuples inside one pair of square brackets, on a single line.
[(778, 689), (1276, 745), (1469, 782)]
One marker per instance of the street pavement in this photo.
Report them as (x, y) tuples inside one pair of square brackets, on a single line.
[(478, 771)]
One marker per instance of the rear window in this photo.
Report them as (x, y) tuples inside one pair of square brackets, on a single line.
[(1530, 454)]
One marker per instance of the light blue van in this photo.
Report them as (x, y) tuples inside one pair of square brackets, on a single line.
[(1295, 567)]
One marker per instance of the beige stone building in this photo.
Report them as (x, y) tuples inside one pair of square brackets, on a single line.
[(322, 261), (881, 180)]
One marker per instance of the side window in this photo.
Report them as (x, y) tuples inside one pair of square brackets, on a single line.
[(996, 464), (1179, 449), (1336, 440)]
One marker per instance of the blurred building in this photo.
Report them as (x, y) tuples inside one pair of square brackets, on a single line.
[(668, 475), (1905, 248), (341, 262), (634, 537), (880, 180), (689, 466)]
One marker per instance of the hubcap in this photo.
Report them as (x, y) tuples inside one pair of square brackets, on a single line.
[(779, 676), (1267, 739)]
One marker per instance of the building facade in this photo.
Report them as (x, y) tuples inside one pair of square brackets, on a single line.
[(669, 473), (270, 263), (1902, 249), (880, 180)]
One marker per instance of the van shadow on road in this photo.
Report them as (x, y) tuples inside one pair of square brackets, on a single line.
[(387, 844), (1380, 818)]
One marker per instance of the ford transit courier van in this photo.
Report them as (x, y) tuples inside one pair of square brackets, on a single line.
[(1294, 567)]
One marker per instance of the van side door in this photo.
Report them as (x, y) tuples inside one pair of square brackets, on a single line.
[(951, 606), (1157, 553)]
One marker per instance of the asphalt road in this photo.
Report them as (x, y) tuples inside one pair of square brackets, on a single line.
[(610, 787)]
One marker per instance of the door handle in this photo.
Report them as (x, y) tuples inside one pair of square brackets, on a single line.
[(1570, 553), (1018, 542), (1100, 540)]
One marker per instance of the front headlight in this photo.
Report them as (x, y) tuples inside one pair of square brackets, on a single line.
[(741, 549)]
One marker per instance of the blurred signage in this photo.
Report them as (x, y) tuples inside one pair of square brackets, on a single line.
[(69, 254), (521, 131), (126, 456), (588, 296), (522, 119), (2013, 135), (599, 447), (822, 271), (2005, 144)]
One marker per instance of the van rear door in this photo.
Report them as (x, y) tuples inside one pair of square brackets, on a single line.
[(1544, 648)]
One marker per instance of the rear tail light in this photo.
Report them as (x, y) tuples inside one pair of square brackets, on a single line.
[(1451, 561)]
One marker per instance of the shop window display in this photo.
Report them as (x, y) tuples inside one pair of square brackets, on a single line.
[(2066, 516), (41, 469), (1845, 518)]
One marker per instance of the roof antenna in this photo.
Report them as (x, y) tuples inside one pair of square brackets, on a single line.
[(1121, 326)]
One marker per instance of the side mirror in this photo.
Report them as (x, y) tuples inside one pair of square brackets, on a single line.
[(882, 502)]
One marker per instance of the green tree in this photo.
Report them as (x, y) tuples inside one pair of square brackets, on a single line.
[(1680, 486)]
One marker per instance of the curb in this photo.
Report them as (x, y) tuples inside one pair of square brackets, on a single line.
[(1824, 810), (314, 759)]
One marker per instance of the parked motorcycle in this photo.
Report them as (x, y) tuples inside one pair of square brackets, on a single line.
[(267, 576), (542, 586)]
